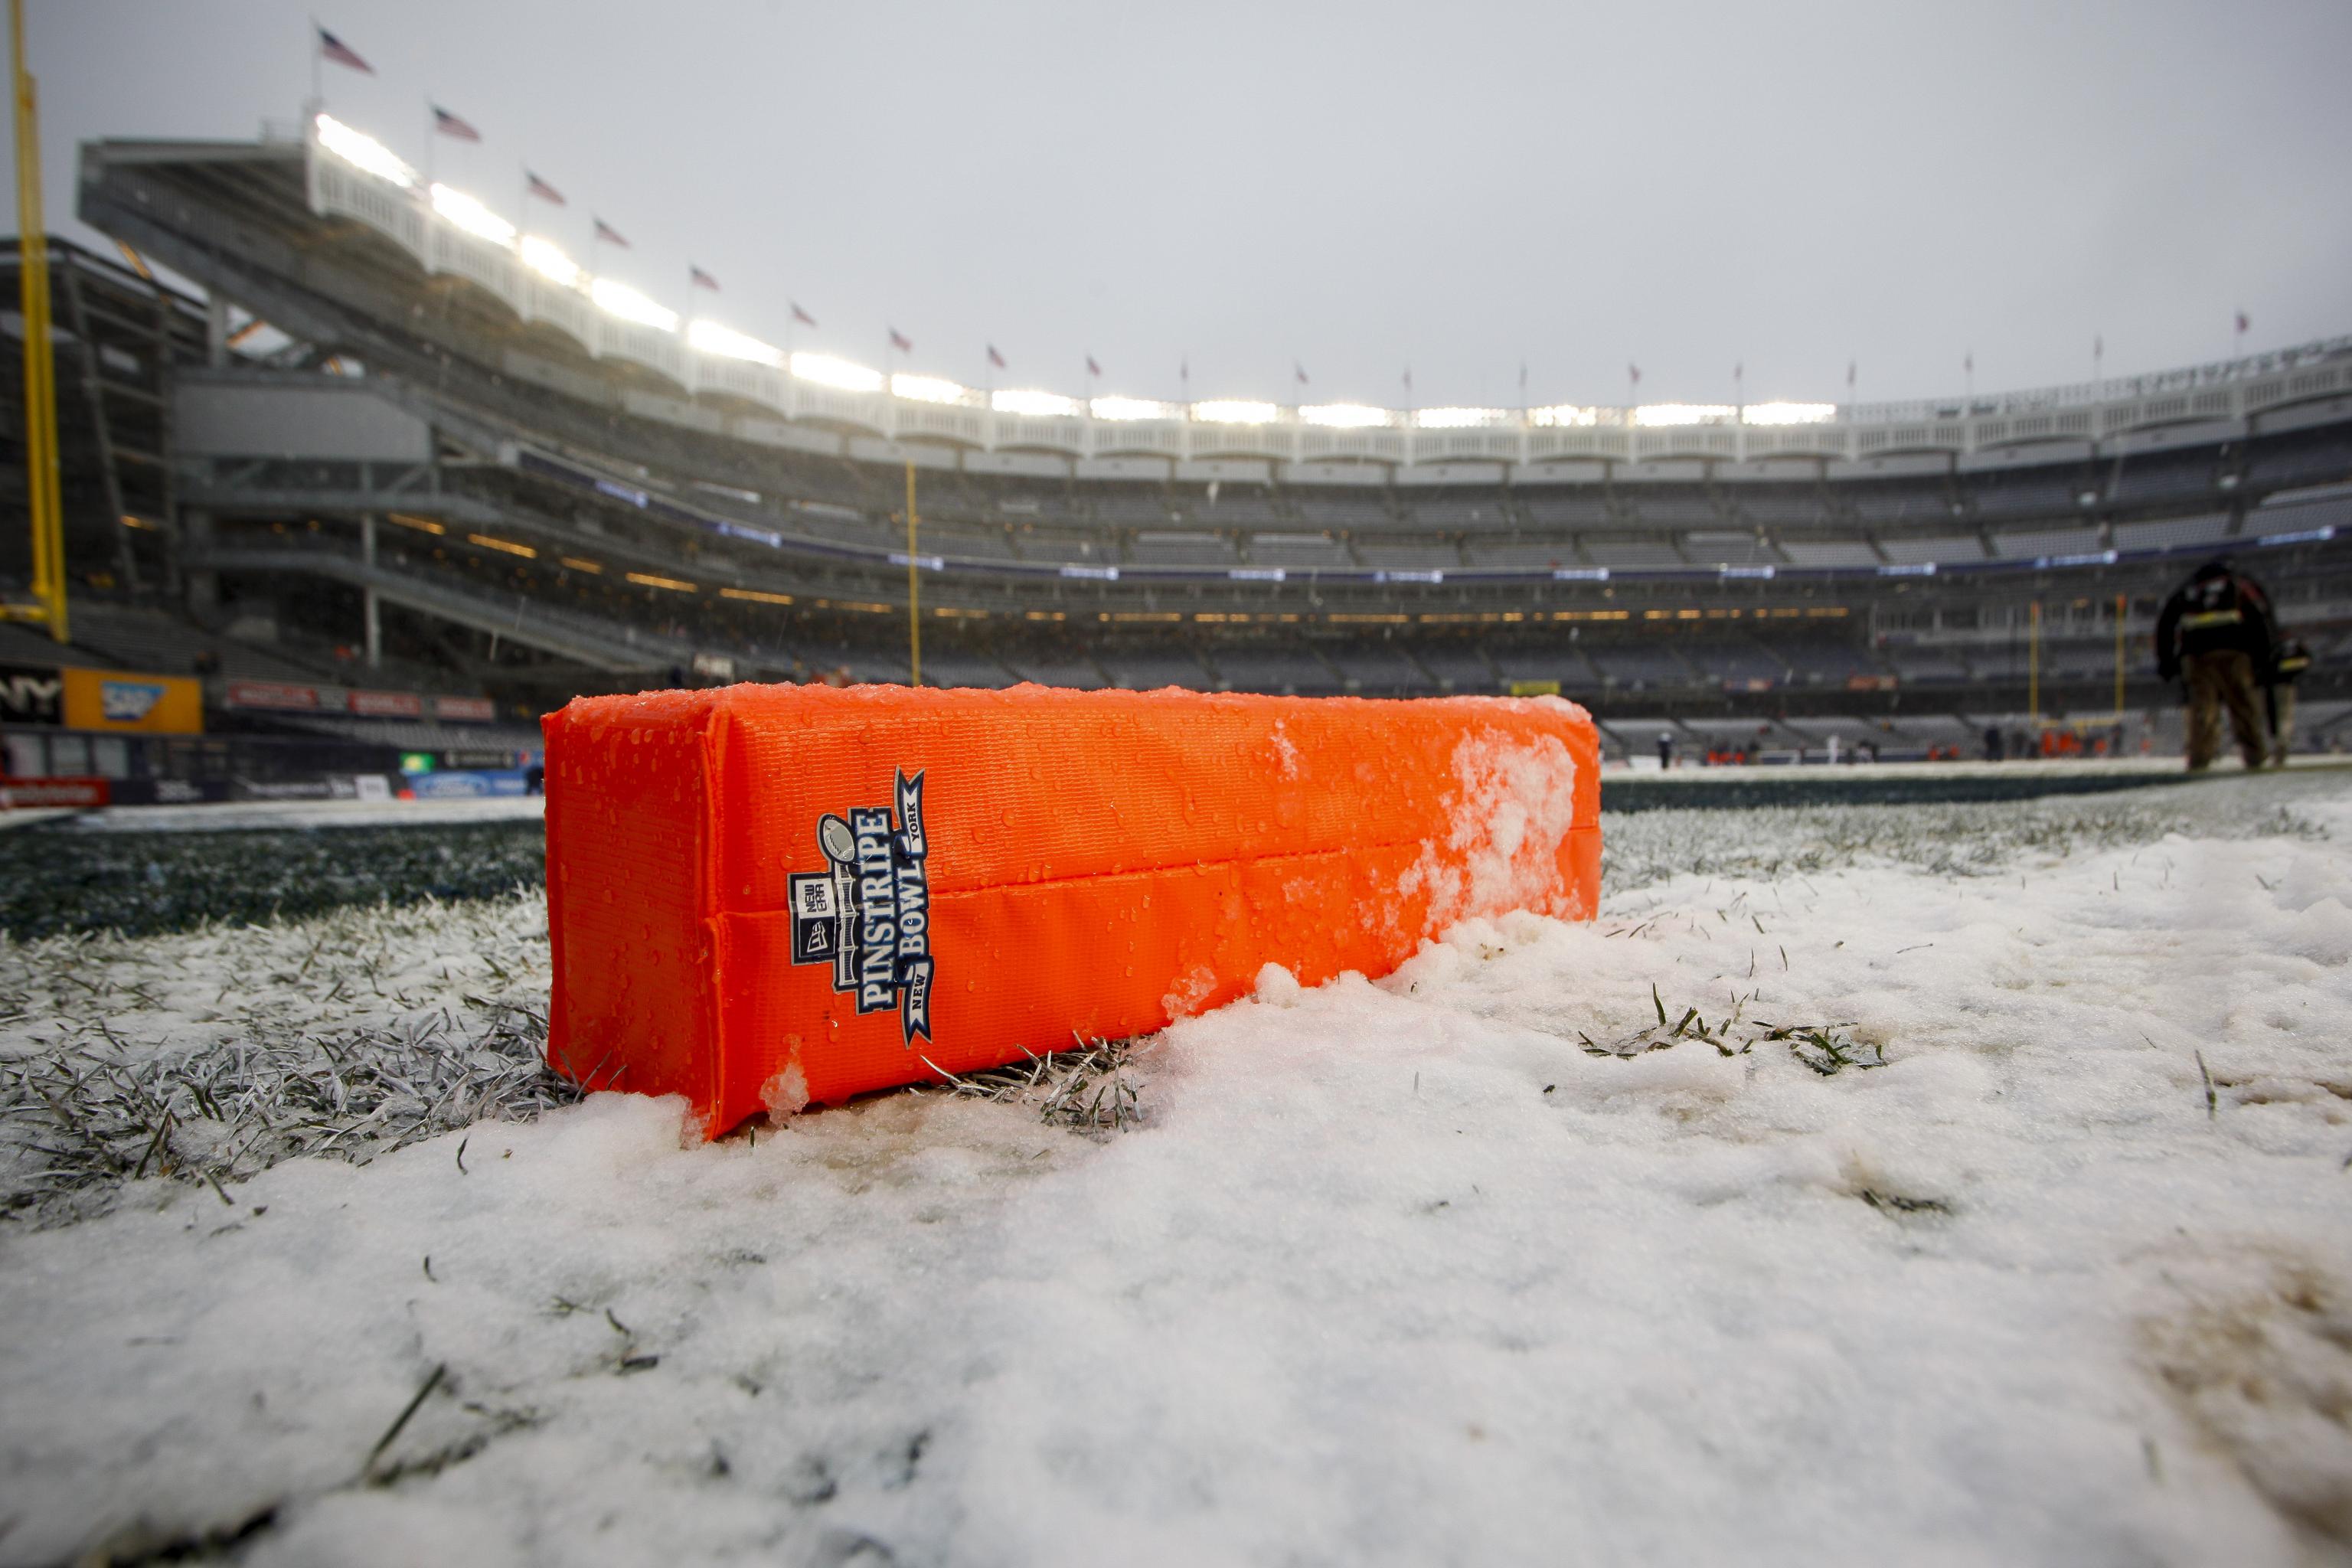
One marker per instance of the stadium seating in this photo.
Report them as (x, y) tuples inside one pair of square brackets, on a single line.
[(2173, 532), (1459, 666), (1148, 670), (1278, 670)]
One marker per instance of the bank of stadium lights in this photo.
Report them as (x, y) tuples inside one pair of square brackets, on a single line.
[(463, 212), (1563, 415), (711, 338), (546, 258), (931, 389), (1460, 418), (1346, 416), (618, 298), (364, 151), (826, 371), (1122, 409), (1651, 416), (1037, 405), (1789, 413), (1234, 411)]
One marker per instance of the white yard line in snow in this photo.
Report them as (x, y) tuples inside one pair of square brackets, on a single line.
[(1393, 1272)]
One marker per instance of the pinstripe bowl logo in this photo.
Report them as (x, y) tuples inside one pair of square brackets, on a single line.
[(868, 913)]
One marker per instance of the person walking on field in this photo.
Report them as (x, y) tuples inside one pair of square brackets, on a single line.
[(2216, 632)]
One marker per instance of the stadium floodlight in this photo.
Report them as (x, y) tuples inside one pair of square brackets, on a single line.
[(1789, 413), (1651, 415), (711, 338), (620, 299), (1042, 403), (467, 213), (546, 258), (1234, 411), (1346, 416), (1564, 414), (364, 151), (1126, 408), (827, 371), (1460, 418), (929, 389)]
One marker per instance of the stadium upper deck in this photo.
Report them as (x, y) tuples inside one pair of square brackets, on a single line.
[(597, 486)]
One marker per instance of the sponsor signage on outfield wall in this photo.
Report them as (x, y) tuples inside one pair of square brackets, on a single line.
[(138, 704), (105, 699), (32, 694), (387, 704), (273, 694), (281, 697), (468, 782), (24, 792)]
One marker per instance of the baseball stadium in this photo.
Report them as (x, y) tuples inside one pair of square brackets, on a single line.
[(401, 448)]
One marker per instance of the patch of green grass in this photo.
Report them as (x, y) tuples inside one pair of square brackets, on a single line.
[(56, 882)]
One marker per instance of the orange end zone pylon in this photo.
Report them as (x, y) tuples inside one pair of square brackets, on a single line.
[(766, 896)]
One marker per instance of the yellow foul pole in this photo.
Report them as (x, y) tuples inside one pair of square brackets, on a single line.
[(41, 483), (914, 592), (2034, 669)]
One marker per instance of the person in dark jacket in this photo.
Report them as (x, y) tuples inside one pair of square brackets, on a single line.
[(2216, 632), (2286, 668)]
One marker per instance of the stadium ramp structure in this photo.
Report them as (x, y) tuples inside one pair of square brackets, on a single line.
[(763, 897)]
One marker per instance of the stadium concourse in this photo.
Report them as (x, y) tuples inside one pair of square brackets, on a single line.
[(404, 478)]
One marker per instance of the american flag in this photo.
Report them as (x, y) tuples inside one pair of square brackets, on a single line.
[(1633, 373), (541, 189), (334, 48), (449, 124), (995, 358), (803, 317), (2243, 322), (609, 234), (899, 340), (1407, 378), (698, 279), (1299, 371), (1092, 368), (1851, 368)]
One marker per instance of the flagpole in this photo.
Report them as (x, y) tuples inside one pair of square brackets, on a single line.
[(317, 85), (914, 592)]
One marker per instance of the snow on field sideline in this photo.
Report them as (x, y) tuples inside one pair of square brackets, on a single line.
[(1451, 1266)]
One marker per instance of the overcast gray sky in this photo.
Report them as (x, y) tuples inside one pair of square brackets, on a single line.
[(1358, 187)]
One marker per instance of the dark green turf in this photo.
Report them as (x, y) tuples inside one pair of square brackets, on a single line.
[(54, 879), (1741, 788)]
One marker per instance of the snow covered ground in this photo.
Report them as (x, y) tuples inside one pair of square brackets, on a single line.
[(1506, 1257)]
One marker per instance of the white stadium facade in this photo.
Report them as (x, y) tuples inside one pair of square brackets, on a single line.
[(457, 462)]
